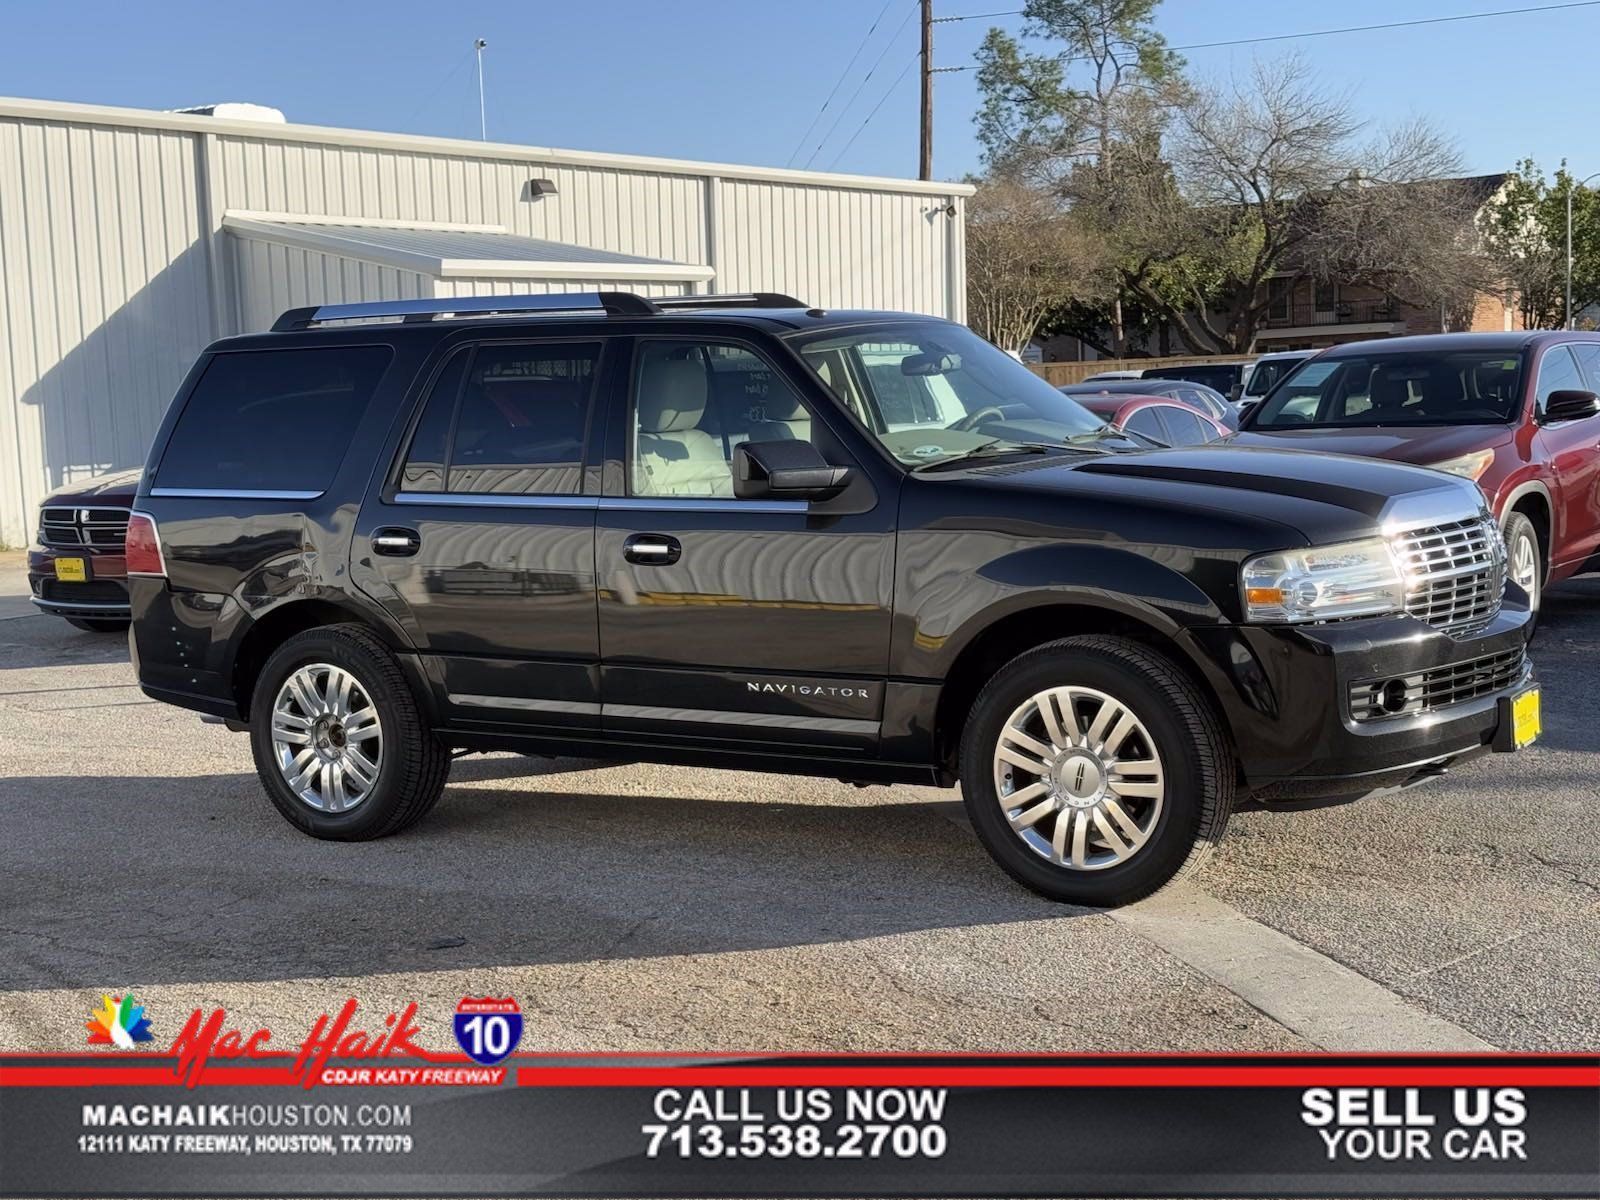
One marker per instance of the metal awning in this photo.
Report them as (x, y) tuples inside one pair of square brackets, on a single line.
[(456, 251)]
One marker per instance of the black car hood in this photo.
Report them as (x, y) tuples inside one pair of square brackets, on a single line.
[(1419, 444), (1324, 497), (117, 487)]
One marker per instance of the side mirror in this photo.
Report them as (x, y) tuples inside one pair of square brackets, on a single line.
[(787, 470), (1570, 404), (1235, 392)]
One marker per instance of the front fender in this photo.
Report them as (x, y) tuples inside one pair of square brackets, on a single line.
[(954, 607)]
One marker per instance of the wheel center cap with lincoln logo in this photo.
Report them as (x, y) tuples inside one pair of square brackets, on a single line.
[(1079, 779)]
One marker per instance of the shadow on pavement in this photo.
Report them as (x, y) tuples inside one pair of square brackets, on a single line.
[(211, 884), (46, 641)]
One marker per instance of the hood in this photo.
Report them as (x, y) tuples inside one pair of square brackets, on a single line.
[(117, 487), (1423, 446), (1323, 497)]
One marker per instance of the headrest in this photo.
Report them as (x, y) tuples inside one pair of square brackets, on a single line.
[(780, 404), (672, 395), (1388, 392)]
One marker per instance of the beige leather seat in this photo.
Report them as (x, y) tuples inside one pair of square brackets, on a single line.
[(672, 455)]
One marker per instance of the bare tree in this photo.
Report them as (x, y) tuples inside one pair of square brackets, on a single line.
[(1270, 180), (1024, 257)]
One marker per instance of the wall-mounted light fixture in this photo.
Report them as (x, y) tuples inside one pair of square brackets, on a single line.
[(539, 188)]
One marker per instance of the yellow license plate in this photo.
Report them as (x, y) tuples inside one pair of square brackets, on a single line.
[(71, 570), (1525, 726)]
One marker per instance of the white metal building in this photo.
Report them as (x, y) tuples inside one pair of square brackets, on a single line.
[(129, 239)]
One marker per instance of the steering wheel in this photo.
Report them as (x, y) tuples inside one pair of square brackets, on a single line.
[(967, 423)]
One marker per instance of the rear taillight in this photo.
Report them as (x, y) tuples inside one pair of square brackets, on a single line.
[(143, 550)]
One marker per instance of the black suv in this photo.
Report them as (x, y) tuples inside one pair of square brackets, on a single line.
[(738, 532)]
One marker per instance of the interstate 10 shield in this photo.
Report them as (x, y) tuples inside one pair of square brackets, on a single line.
[(488, 1029)]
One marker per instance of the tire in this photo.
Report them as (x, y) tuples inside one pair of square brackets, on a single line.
[(1180, 772), (411, 763), (1523, 548), (100, 624)]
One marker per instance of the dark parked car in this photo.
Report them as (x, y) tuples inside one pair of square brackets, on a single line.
[(75, 569), (1196, 395), (1224, 378), (1163, 422), (1517, 413), (740, 532)]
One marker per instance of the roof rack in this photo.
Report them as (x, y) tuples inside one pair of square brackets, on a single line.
[(732, 300), (617, 303)]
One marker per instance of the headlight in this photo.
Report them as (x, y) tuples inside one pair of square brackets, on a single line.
[(1468, 466), (1323, 583)]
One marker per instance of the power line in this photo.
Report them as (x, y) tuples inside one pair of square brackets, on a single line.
[(910, 12), (440, 86), (862, 45), (1315, 33), (906, 70)]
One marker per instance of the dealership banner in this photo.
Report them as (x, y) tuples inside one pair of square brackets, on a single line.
[(365, 1111)]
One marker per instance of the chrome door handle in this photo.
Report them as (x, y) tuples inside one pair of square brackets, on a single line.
[(396, 542), (652, 549)]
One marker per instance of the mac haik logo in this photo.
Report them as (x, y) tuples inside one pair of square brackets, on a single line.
[(120, 1022), (207, 1037)]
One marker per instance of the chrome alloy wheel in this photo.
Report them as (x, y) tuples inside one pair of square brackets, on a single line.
[(1525, 565), (326, 737), (1079, 778)]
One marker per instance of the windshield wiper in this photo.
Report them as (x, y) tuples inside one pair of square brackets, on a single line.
[(1002, 446), (1108, 429)]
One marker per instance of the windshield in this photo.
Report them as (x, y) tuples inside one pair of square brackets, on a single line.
[(1267, 372), (1461, 388), (930, 390)]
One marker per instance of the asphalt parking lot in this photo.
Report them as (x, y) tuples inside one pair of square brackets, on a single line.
[(657, 908)]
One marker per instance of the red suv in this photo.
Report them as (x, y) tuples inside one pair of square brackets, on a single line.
[(1516, 412)]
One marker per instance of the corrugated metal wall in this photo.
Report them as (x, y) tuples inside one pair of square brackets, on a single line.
[(272, 278), (103, 300), (657, 216), (115, 272), (540, 287), (834, 247)]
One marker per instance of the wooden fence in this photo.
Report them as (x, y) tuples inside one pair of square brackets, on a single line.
[(1059, 374)]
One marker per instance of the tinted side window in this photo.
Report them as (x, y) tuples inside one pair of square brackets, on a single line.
[(1146, 421), (522, 419), (1183, 428), (271, 420), (1558, 371), (425, 461)]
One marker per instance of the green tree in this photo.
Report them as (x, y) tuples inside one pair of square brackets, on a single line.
[(1525, 230), (1073, 118)]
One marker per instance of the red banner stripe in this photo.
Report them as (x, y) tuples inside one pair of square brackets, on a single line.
[(1176, 1076)]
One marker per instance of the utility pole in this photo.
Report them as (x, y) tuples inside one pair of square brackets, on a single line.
[(925, 158), (483, 124)]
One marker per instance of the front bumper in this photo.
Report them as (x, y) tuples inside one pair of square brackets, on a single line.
[(103, 594), (1287, 694)]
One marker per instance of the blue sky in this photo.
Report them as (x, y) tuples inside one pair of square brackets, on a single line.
[(739, 80)]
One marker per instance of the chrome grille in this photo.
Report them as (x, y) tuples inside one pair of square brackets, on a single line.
[(1456, 573), (1426, 691), (85, 525)]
